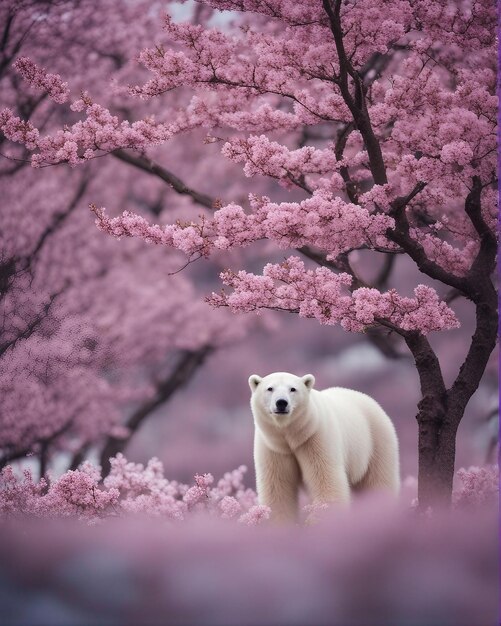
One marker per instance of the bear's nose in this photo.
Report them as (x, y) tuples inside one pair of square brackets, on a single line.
[(281, 405)]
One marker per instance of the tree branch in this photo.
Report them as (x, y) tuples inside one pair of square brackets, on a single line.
[(386, 341), (483, 293), (401, 235), (433, 391), (58, 219), (356, 101), (485, 261), (385, 271), (156, 170), (32, 326), (351, 189), (187, 365), (44, 442), (482, 344), (149, 166)]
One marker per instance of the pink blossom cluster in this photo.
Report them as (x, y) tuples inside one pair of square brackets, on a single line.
[(74, 494), (253, 64), (478, 486), (453, 136), (15, 129), (52, 395), (98, 133), (130, 488), (297, 64), (38, 78), (283, 77), (457, 27), (263, 117), (270, 158), (189, 238), (323, 221), (74, 381), (424, 313), (325, 296), (173, 68), (76, 387), (455, 260)]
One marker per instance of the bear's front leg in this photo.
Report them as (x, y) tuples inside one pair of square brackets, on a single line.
[(277, 482), (324, 477)]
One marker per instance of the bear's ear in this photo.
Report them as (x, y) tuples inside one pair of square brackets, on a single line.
[(254, 381), (309, 381)]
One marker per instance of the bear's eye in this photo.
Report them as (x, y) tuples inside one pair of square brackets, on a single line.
[(293, 389), (270, 388)]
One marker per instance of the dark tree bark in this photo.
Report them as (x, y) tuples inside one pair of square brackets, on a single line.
[(436, 462), (149, 166)]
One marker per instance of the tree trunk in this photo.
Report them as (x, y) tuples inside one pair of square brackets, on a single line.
[(441, 410), (437, 451)]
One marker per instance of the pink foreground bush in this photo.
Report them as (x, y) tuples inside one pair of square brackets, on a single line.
[(129, 488), (170, 553), (479, 486), (376, 565)]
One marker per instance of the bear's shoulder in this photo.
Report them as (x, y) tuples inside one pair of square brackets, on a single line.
[(342, 392)]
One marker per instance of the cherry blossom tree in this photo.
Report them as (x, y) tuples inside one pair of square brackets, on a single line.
[(118, 339), (379, 119), (95, 336)]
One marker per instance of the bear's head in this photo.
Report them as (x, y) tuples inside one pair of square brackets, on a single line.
[(281, 396)]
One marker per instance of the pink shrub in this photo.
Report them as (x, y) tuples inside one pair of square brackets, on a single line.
[(375, 564), (479, 485), (130, 488)]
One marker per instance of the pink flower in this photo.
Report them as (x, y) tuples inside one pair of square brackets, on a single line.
[(255, 515), (458, 152), (40, 79), (230, 507), (479, 486)]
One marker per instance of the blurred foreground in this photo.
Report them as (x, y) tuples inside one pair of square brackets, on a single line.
[(380, 563)]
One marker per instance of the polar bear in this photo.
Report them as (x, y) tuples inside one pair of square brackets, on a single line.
[(333, 441)]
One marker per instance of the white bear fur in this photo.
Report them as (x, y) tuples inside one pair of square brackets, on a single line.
[(333, 442)]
